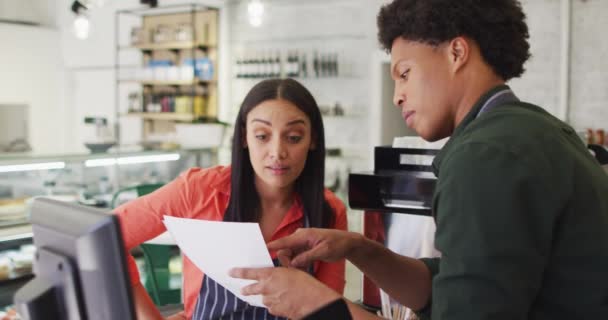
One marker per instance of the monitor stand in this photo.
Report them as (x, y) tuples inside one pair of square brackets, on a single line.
[(53, 293)]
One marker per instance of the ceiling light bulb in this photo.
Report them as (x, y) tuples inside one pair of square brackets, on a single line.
[(255, 10), (81, 27), (255, 21)]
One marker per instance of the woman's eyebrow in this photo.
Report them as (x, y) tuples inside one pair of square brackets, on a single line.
[(298, 121), (262, 121), (290, 123)]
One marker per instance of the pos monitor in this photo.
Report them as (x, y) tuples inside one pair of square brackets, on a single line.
[(80, 265)]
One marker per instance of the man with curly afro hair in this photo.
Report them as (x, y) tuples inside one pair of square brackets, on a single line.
[(520, 204)]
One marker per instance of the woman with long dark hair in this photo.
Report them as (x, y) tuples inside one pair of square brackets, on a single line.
[(275, 179)]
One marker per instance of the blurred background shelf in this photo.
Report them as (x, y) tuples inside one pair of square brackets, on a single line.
[(172, 45), (167, 116), (175, 82)]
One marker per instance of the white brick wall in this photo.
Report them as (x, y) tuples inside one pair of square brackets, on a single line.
[(588, 65), (540, 83), (589, 83)]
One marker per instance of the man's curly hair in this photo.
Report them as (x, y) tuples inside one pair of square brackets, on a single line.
[(497, 26)]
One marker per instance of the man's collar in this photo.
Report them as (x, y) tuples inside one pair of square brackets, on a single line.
[(471, 115)]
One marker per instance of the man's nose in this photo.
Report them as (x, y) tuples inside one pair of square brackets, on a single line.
[(398, 102), (398, 98)]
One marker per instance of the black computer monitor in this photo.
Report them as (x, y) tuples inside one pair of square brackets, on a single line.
[(80, 265)]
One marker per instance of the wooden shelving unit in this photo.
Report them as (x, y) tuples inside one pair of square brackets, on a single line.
[(159, 108)]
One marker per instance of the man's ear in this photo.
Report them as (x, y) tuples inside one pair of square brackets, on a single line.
[(459, 51)]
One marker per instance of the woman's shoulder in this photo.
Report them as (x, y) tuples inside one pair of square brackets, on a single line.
[(339, 209), (211, 176), (334, 201)]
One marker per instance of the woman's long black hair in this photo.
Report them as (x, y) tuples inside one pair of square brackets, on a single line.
[(244, 205)]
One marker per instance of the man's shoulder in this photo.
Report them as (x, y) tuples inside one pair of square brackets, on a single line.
[(521, 132), (522, 129), (512, 122)]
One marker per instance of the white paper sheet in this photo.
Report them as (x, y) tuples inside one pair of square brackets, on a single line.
[(215, 247)]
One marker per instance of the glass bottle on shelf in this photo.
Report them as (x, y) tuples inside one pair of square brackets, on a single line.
[(293, 64), (316, 64), (261, 65), (323, 65), (266, 65), (304, 66), (288, 65), (277, 65), (245, 66), (238, 67), (256, 65), (336, 65), (329, 65), (296, 64)]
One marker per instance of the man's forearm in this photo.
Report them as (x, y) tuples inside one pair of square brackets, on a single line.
[(405, 279)]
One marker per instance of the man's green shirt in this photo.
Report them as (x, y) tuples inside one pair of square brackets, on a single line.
[(521, 208)]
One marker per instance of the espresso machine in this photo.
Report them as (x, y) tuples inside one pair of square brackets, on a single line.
[(396, 199)]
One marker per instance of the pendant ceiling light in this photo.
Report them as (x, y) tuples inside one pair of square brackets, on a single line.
[(255, 11), (81, 25)]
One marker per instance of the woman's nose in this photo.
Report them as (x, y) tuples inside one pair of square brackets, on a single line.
[(278, 150)]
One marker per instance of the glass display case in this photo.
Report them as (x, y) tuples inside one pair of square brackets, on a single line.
[(89, 179)]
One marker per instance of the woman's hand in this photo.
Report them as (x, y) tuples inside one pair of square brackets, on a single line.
[(287, 292), (144, 307), (309, 244)]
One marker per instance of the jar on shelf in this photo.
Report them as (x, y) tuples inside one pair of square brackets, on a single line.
[(137, 36), (162, 33), (135, 102), (183, 32)]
